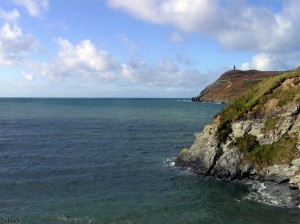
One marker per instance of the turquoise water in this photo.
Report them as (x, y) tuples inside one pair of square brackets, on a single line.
[(112, 161)]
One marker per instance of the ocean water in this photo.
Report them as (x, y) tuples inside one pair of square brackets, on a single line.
[(112, 161)]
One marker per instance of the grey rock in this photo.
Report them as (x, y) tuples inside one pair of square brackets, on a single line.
[(211, 157), (256, 129), (295, 127), (201, 155), (241, 128), (228, 165), (272, 193), (279, 173), (295, 182)]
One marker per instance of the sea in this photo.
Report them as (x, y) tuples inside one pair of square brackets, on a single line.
[(113, 161)]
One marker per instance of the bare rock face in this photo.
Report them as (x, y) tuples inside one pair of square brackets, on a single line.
[(202, 154), (228, 165), (279, 173), (209, 156), (294, 180), (240, 129), (287, 121)]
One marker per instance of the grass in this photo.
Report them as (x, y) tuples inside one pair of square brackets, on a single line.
[(252, 98), (251, 82), (286, 96), (282, 151), (270, 123), (247, 143)]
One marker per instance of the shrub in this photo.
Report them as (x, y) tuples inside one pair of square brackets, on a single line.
[(270, 123), (247, 143), (282, 151)]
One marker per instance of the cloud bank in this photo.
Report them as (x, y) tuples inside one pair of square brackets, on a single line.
[(234, 24), (84, 62), (9, 15), (14, 45), (163, 73)]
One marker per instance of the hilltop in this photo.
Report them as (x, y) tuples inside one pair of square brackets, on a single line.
[(257, 136), (232, 84)]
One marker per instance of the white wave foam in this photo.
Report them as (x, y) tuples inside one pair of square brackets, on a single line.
[(169, 162), (188, 171), (185, 101), (271, 194), (259, 193), (68, 219), (184, 171)]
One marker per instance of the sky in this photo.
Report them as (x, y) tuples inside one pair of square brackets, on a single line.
[(140, 48)]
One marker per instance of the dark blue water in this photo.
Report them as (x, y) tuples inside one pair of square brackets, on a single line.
[(111, 161)]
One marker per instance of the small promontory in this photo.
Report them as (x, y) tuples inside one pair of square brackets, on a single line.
[(257, 136), (232, 84)]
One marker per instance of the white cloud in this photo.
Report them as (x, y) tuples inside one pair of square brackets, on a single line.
[(259, 29), (27, 76), (10, 33), (84, 62), (34, 8), (164, 73), (9, 15), (177, 89), (187, 15), (14, 45), (267, 61), (262, 62), (245, 66), (81, 61), (234, 24)]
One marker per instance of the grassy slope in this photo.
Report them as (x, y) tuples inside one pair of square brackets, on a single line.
[(233, 83)]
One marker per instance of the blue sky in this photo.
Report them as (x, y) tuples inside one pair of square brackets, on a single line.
[(140, 48)]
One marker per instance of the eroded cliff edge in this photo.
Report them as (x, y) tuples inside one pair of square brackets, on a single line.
[(257, 136)]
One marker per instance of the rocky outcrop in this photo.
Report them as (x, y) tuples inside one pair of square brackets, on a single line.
[(273, 135), (209, 156), (203, 153)]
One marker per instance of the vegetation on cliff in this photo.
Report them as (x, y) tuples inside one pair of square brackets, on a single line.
[(232, 84), (256, 136), (252, 102), (280, 152), (269, 96)]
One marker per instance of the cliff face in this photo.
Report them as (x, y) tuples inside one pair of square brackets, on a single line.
[(257, 136), (232, 84)]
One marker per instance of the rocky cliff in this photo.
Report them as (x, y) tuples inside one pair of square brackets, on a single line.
[(257, 136), (232, 84)]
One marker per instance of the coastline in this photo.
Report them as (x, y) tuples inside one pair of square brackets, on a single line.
[(197, 99), (255, 138)]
